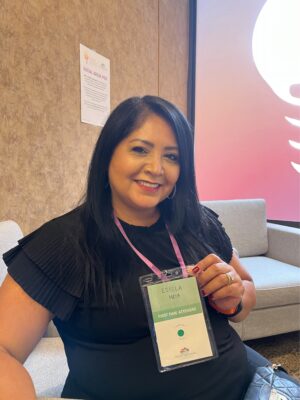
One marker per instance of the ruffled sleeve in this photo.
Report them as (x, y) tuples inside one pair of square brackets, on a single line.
[(217, 236), (48, 265)]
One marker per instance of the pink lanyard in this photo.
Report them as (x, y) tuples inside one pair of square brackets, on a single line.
[(148, 262)]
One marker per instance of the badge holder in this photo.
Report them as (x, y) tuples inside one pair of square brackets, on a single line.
[(178, 320)]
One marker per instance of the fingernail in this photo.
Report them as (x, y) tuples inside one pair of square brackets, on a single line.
[(203, 293), (196, 269)]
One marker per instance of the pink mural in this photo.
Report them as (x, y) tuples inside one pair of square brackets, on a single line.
[(247, 133)]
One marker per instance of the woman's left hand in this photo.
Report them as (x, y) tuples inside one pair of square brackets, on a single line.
[(219, 281)]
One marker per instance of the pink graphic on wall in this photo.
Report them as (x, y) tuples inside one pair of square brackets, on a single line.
[(248, 103), (276, 53)]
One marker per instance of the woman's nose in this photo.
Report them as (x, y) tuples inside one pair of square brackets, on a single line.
[(155, 166)]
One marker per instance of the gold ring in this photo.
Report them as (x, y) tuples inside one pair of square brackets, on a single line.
[(230, 279)]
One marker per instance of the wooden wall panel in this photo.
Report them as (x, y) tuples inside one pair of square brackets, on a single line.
[(173, 51), (44, 148)]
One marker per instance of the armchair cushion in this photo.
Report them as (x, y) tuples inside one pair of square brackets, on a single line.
[(277, 283), (48, 367)]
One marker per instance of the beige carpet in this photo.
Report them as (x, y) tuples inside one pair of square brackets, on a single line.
[(281, 349)]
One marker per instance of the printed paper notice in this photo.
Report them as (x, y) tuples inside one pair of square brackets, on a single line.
[(95, 87)]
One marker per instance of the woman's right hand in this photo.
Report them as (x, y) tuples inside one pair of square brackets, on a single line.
[(225, 292), (212, 276), (23, 322)]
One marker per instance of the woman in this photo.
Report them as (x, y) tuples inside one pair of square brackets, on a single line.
[(79, 270)]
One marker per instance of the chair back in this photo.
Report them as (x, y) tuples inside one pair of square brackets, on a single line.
[(10, 233), (245, 223)]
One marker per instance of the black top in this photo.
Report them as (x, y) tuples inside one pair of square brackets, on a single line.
[(109, 350)]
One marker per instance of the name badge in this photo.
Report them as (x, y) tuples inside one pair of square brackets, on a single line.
[(178, 320)]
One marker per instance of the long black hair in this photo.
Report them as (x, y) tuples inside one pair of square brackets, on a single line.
[(102, 246)]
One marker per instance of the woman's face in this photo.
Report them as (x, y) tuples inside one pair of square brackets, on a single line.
[(143, 171)]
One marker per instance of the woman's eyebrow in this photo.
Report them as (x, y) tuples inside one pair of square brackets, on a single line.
[(152, 145)]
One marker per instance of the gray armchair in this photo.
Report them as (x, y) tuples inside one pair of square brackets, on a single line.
[(271, 254)]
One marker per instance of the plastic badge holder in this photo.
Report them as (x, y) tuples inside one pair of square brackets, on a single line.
[(178, 320)]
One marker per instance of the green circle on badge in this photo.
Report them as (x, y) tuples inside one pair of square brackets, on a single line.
[(180, 332)]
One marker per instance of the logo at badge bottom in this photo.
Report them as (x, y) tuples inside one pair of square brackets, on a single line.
[(184, 350)]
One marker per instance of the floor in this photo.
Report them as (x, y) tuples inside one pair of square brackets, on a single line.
[(281, 349)]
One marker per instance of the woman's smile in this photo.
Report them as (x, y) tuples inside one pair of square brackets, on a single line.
[(150, 187)]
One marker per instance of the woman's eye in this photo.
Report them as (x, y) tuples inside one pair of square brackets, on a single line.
[(139, 150), (172, 157)]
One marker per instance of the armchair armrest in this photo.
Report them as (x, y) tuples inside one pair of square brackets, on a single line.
[(284, 243)]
